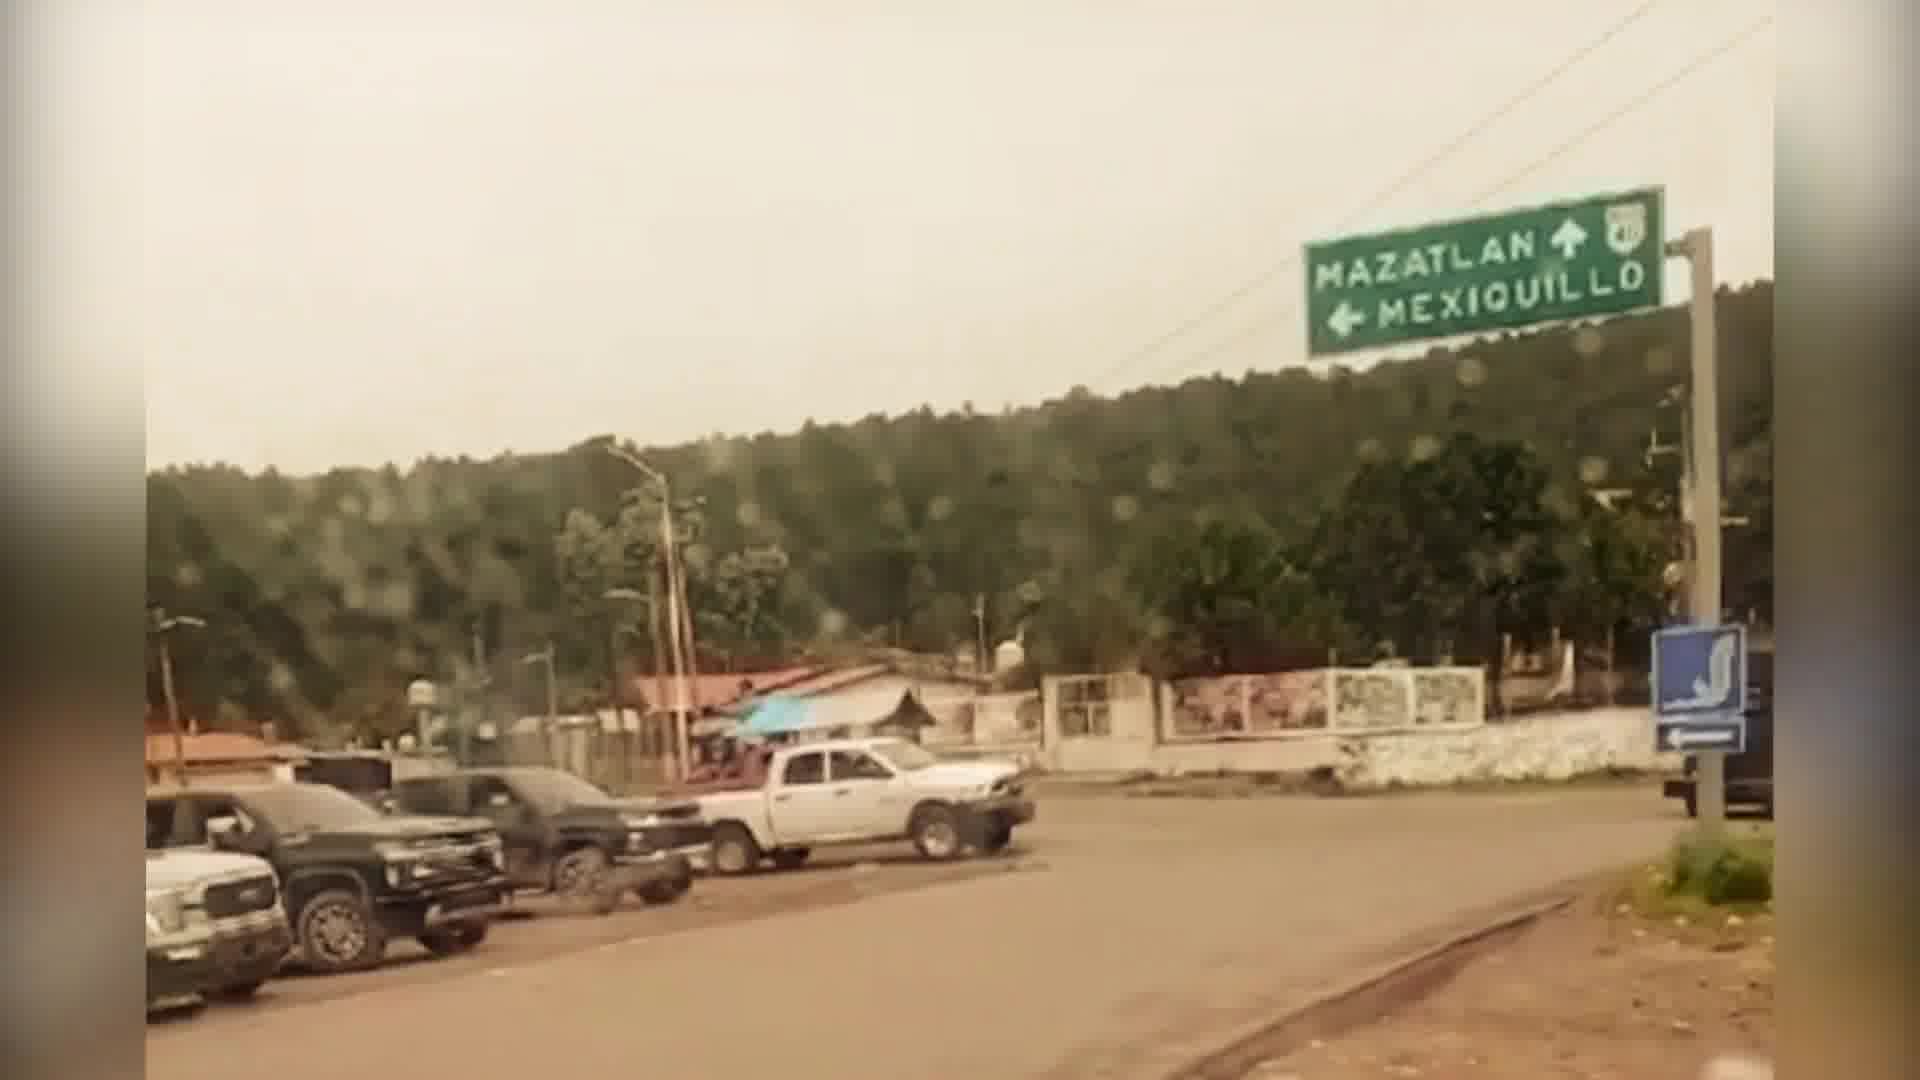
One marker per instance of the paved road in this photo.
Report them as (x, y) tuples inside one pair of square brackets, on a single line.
[(1136, 934)]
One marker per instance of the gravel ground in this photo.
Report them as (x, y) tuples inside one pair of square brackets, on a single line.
[(1596, 992)]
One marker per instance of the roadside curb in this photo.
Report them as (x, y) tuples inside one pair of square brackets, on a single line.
[(1381, 991)]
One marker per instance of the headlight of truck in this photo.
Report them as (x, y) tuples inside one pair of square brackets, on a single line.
[(166, 912), (402, 872)]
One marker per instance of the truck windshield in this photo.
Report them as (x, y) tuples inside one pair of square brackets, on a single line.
[(551, 790), (296, 808), (904, 756)]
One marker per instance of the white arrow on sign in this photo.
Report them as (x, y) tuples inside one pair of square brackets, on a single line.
[(1345, 319), (1568, 238), (1683, 739)]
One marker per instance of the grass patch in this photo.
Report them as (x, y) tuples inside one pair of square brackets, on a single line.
[(1703, 876), (1733, 868)]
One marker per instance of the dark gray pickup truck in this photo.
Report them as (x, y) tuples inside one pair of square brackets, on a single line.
[(564, 835)]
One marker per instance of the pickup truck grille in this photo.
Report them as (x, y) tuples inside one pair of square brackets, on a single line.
[(458, 864), (446, 841), (227, 899)]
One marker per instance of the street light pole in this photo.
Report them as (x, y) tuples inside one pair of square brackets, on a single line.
[(164, 626), (479, 709), (545, 658)]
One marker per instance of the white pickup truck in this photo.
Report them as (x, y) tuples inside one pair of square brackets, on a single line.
[(863, 791)]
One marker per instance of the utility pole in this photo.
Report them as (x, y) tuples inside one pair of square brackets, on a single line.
[(676, 649), (689, 703), (656, 632), (1702, 495), (680, 620)]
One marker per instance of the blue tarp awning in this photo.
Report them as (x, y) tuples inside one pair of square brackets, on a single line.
[(777, 715)]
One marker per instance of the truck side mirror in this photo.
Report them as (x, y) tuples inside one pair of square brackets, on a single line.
[(223, 833), (505, 809)]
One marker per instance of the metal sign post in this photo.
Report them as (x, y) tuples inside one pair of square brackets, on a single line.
[(1703, 592)]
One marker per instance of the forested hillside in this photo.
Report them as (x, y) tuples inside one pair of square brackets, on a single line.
[(1220, 522)]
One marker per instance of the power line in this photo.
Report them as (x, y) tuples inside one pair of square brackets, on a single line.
[(1693, 67), (1500, 112)]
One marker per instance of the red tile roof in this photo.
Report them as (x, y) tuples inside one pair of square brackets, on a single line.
[(717, 691), (825, 682), (218, 747)]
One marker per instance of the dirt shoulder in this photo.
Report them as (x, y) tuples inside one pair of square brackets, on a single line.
[(1610, 986)]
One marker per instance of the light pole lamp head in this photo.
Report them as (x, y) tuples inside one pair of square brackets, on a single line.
[(635, 460)]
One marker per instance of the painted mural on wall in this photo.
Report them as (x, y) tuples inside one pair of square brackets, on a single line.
[(1288, 701), (1215, 706), (1274, 703), (1372, 699), (1448, 696)]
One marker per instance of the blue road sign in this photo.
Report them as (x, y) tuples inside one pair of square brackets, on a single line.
[(1696, 733), (1700, 671)]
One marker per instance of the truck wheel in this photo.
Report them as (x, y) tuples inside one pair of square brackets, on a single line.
[(338, 932), (456, 939), (240, 991), (734, 849), (666, 890), (581, 873), (995, 837), (792, 858), (936, 832)]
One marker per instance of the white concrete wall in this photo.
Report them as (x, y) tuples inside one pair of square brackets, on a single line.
[(1547, 746), (1132, 719), (997, 717)]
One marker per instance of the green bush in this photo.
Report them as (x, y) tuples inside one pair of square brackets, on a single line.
[(1726, 870)]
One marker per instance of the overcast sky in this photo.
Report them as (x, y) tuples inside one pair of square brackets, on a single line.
[(354, 232)]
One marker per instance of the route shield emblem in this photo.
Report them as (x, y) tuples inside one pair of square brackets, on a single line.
[(1626, 228)]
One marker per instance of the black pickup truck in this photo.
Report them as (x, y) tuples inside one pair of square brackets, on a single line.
[(565, 835), (351, 876)]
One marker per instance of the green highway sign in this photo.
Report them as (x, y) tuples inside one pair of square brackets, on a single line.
[(1597, 256)]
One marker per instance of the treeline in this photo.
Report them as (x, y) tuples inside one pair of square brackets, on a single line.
[(1434, 504)]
